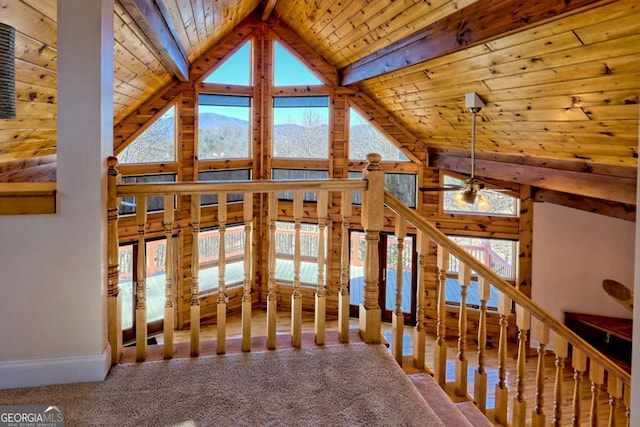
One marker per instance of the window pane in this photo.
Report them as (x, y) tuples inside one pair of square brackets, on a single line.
[(285, 237), (223, 175), (401, 185), (301, 127), (156, 282), (497, 254), (303, 174), (154, 145), (289, 71), (125, 283), (223, 127), (209, 251), (236, 70), (154, 203), (391, 275), (365, 139), (356, 267), (499, 203)]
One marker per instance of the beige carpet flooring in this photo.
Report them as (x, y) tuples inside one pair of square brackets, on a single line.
[(339, 385)]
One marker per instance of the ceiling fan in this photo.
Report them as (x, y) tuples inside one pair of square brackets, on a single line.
[(470, 192)]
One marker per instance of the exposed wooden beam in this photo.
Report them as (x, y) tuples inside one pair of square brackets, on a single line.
[(267, 8), (606, 187), (475, 24), (603, 207), (152, 19), (571, 165)]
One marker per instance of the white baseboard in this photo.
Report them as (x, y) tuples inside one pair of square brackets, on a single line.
[(62, 370)]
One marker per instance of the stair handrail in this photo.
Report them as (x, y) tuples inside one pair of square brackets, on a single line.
[(245, 186), (502, 285)]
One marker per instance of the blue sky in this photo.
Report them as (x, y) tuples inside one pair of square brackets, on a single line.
[(287, 69)]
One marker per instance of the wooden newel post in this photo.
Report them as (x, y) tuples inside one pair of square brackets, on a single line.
[(372, 221), (114, 301)]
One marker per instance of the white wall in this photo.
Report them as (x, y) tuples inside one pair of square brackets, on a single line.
[(53, 267), (573, 252), (635, 356)]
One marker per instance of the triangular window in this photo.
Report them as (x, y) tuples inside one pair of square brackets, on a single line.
[(364, 139), (236, 70), (156, 144), (289, 71)]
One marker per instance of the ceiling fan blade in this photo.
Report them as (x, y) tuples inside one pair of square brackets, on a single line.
[(450, 187), (619, 292)]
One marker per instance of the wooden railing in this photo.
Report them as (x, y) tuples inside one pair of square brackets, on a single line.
[(586, 361), (372, 211)]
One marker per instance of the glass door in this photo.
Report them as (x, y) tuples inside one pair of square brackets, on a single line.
[(388, 274), (155, 286)]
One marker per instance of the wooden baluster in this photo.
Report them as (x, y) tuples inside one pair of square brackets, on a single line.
[(538, 418), (195, 269), (141, 284), (419, 335), (523, 321), (397, 320), (272, 313), (440, 353), (343, 299), (248, 262), (114, 305), (480, 381), (370, 320), (321, 293), (296, 296), (464, 277), (615, 389), (222, 266), (560, 348), (502, 391), (169, 274), (579, 362), (626, 396), (596, 375)]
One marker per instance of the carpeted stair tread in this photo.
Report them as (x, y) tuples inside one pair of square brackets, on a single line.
[(473, 414), (441, 404)]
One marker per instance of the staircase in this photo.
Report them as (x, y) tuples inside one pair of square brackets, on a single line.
[(462, 414)]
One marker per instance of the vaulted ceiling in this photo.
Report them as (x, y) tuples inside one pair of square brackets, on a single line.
[(560, 79)]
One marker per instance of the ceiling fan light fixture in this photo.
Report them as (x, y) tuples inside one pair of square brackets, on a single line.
[(483, 202), (465, 198)]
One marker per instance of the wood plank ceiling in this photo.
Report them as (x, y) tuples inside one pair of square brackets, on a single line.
[(561, 94)]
